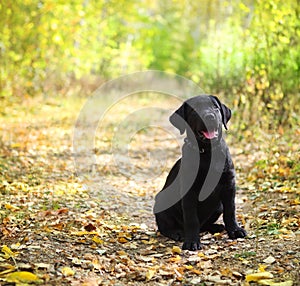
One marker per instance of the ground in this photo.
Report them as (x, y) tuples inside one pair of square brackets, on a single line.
[(64, 227)]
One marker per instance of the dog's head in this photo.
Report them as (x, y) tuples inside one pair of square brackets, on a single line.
[(204, 115)]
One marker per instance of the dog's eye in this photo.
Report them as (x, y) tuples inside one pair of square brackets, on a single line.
[(215, 107)]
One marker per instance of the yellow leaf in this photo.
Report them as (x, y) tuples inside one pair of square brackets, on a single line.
[(83, 232), (188, 267), (258, 276), (67, 271), (97, 240), (10, 268), (21, 277), (201, 254), (176, 249), (8, 252), (196, 271), (174, 259), (122, 240), (11, 208), (150, 274), (262, 268), (121, 253)]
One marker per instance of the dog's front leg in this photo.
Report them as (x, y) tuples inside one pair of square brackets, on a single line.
[(233, 229), (191, 222), (188, 174)]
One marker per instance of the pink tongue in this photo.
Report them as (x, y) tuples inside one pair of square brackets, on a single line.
[(209, 134)]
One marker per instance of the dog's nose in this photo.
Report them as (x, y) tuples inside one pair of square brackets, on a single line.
[(209, 117)]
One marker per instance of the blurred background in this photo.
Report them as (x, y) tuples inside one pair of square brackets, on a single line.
[(246, 51), (54, 54)]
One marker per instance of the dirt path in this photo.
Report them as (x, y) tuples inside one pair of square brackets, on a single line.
[(100, 230)]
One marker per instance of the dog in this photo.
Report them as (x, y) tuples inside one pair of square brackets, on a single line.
[(201, 185)]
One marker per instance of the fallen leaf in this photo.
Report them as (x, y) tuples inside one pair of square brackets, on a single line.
[(174, 259), (262, 268), (176, 249), (15, 246), (122, 240), (8, 252), (67, 271), (90, 227), (217, 279), (11, 207), (97, 240), (76, 261), (83, 232), (269, 260), (101, 251), (42, 265), (21, 277), (196, 271), (205, 264), (122, 253), (237, 274), (196, 281), (145, 258), (10, 268), (62, 211), (258, 276), (188, 267), (150, 274), (90, 282)]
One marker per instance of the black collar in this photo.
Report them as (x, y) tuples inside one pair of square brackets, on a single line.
[(196, 148)]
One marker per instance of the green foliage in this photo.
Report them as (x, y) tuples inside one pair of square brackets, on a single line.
[(245, 254), (247, 50)]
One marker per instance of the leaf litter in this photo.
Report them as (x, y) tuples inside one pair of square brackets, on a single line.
[(58, 229)]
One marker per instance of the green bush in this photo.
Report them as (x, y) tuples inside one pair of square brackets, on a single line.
[(247, 51)]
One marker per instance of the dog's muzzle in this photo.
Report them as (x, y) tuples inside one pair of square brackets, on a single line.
[(211, 126)]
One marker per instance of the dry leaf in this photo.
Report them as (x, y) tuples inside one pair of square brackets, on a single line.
[(67, 271), (90, 227), (122, 240), (42, 265), (10, 268), (83, 232), (269, 260), (174, 259), (150, 274), (217, 279), (205, 264)]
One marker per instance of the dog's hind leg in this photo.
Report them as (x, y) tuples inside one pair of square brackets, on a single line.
[(170, 225), (210, 224)]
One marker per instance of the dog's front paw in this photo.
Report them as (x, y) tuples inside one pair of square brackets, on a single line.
[(192, 246), (237, 233)]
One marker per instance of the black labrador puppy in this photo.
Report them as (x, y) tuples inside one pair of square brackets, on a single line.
[(201, 185)]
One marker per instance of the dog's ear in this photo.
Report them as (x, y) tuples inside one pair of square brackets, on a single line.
[(225, 111), (178, 118)]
